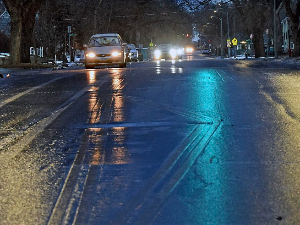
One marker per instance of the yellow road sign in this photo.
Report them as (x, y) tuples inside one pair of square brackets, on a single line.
[(151, 45), (234, 41)]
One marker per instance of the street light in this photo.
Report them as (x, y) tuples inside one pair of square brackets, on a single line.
[(221, 34)]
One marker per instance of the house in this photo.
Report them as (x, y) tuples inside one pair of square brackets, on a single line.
[(5, 23), (286, 35)]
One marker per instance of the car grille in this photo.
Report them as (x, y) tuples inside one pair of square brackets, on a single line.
[(103, 55)]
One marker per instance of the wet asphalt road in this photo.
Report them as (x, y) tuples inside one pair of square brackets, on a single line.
[(197, 141)]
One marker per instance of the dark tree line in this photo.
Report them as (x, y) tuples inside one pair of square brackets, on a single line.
[(255, 15), (251, 17), (44, 22), (258, 16)]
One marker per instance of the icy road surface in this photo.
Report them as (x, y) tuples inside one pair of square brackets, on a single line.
[(196, 141)]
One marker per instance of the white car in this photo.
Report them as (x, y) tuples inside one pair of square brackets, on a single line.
[(105, 49)]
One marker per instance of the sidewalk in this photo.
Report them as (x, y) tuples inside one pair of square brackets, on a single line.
[(282, 58)]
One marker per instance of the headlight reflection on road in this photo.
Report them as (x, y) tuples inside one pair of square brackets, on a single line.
[(119, 151), (158, 71), (107, 145), (91, 76), (173, 69), (189, 57)]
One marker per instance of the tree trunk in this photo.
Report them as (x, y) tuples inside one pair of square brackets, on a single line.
[(27, 36), (296, 39), (295, 35), (15, 42), (22, 23), (258, 42)]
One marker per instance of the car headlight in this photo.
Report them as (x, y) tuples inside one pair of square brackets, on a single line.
[(173, 53), (157, 54), (179, 51), (91, 55), (189, 50), (116, 54)]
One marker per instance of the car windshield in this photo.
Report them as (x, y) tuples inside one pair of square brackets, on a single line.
[(104, 41), (165, 46)]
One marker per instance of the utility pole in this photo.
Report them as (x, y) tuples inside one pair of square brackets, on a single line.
[(228, 35), (70, 48), (222, 50), (275, 32)]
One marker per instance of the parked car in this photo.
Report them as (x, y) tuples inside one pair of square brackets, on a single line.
[(105, 49), (168, 51), (79, 56), (206, 51), (269, 51), (132, 53)]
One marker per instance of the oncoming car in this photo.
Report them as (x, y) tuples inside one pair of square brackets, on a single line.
[(189, 49), (105, 49), (168, 51)]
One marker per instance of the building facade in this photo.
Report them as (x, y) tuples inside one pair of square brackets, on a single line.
[(286, 35)]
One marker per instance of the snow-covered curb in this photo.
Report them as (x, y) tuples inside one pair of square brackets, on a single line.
[(280, 59)]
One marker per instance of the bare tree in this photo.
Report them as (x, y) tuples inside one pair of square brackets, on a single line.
[(255, 14), (193, 5), (95, 15), (138, 21)]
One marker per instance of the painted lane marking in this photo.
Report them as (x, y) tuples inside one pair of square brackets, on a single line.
[(25, 137), (15, 97)]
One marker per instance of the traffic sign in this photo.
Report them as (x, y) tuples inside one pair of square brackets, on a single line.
[(228, 43), (234, 41)]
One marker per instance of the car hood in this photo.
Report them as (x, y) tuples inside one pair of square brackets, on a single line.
[(104, 49)]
